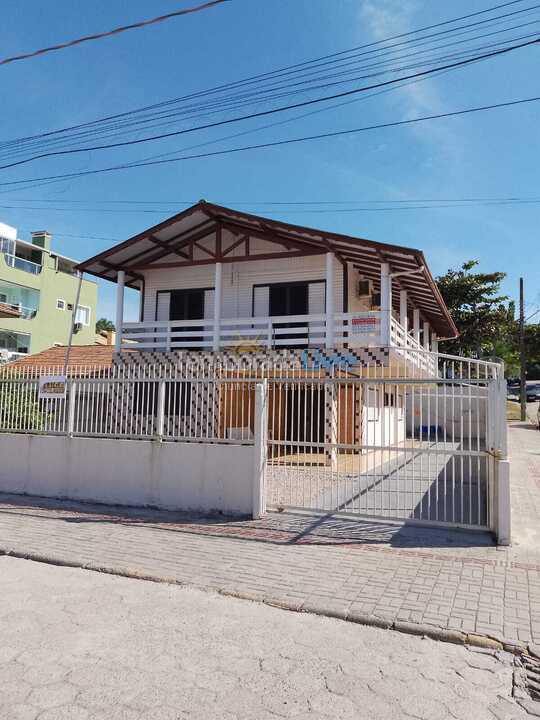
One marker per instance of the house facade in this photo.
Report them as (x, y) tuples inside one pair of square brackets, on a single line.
[(38, 288), (227, 292)]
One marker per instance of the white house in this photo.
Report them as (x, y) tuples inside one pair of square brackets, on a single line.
[(217, 283)]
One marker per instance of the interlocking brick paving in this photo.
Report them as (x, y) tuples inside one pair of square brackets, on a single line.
[(443, 578)]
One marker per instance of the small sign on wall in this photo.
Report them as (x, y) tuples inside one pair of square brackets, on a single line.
[(367, 324), (52, 387)]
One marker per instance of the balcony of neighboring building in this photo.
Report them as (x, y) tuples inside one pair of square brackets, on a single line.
[(18, 301), (13, 344), (20, 255)]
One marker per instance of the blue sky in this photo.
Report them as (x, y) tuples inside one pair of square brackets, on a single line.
[(493, 154)]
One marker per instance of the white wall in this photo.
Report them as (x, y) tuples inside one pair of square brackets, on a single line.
[(174, 476), (238, 281), (382, 425), (8, 232), (459, 411)]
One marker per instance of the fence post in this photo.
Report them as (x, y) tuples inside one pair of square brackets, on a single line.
[(496, 442), (269, 333), (71, 409), (160, 420), (502, 502), (260, 449)]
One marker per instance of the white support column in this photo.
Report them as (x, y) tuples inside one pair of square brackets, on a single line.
[(426, 335), (120, 281), (434, 343), (386, 305), (217, 305), (416, 325), (329, 300), (403, 314)]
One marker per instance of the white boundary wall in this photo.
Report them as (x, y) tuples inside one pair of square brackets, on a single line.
[(198, 477)]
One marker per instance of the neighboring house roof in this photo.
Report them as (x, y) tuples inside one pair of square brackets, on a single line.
[(173, 236), (9, 311), (81, 358)]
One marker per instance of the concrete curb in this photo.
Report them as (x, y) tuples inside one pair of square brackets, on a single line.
[(434, 632)]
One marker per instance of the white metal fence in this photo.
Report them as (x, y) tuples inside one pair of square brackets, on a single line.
[(371, 440), (163, 408), (391, 448)]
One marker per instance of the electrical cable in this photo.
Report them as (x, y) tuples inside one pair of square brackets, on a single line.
[(109, 33)]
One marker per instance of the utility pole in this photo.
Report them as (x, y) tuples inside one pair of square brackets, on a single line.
[(523, 388)]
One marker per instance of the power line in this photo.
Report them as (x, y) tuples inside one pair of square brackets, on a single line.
[(264, 113), (532, 315), (277, 143), (289, 67), (115, 31), (123, 201), (225, 103)]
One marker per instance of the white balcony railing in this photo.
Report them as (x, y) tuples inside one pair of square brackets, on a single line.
[(353, 329), (410, 349)]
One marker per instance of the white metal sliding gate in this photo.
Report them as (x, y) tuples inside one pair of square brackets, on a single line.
[(395, 448)]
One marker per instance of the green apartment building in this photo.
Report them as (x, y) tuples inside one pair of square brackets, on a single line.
[(38, 289)]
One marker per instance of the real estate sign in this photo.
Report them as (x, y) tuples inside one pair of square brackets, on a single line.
[(365, 324), (52, 387)]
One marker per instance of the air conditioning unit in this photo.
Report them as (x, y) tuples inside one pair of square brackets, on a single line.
[(363, 288), (77, 327)]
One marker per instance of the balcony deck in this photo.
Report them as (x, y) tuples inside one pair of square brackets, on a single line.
[(348, 331)]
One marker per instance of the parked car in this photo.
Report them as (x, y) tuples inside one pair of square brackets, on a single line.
[(532, 392)]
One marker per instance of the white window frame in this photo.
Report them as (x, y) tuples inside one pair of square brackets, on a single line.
[(63, 302), (83, 307)]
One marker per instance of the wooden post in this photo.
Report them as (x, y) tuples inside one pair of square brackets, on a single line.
[(217, 306), (329, 300), (386, 305), (416, 325), (426, 335), (403, 314)]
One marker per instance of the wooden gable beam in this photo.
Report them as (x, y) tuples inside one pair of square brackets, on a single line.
[(276, 239), (185, 243), (164, 245), (243, 240), (204, 250), (116, 268), (229, 259)]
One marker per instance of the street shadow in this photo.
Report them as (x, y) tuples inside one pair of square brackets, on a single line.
[(289, 528)]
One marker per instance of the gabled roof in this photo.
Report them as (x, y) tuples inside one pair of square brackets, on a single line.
[(204, 219)]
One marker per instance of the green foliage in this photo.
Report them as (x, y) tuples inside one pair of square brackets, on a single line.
[(20, 410), (486, 320), (481, 313), (104, 325)]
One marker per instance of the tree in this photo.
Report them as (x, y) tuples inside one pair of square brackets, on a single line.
[(104, 325), (484, 318)]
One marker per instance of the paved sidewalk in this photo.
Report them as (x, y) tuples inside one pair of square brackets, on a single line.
[(366, 571)]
